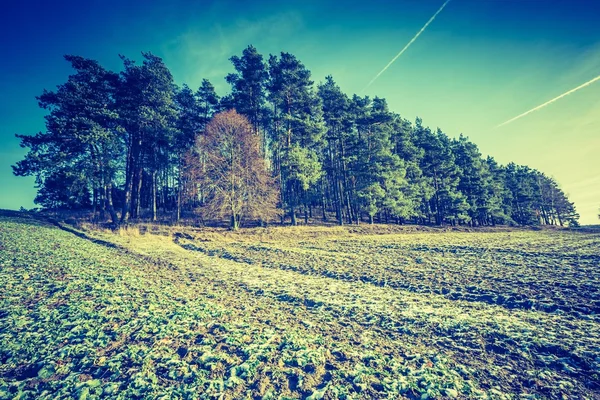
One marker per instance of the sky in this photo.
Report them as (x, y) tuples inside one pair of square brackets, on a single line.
[(478, 64)]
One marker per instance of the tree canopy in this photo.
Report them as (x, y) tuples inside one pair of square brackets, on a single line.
[(135, 142)]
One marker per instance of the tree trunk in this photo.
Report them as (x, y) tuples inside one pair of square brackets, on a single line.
[(178, 203), (323, 201), (560, 221), (102, 203), (349, 208), (165, 193), (339, 203), (437, 199), (293, 215), (128, 189), (154, 196), (179, 190), (137, 192), (337, 185), (94, 201), (109, 205), (134, 173), (305, 214)]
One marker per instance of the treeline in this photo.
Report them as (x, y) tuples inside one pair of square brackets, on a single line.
[(123, 145)]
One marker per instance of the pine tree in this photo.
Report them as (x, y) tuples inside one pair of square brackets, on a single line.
[(339, 128), (499, 197), (147, 111), (438, 164), (248, 88), (191, 120), (207, 101), (81, 142), (380, 173), (418, 190), (522, 185), (475, 180), (297, 131)]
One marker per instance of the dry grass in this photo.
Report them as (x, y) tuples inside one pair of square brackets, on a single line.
[(129, 230)]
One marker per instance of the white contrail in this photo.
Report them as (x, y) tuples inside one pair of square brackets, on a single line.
[(408, 45), (550, 101)]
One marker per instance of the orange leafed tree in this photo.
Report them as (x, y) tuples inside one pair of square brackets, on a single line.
[(230, 173)]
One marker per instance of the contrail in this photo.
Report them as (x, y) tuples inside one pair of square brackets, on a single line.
[(550, 101), (408, 45)]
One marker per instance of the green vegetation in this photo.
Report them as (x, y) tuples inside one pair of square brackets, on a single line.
[(132, 141), (319, 313)]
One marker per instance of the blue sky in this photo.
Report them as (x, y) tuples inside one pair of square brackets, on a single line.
[(480, 63)]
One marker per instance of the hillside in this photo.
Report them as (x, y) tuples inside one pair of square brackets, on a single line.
[(318, 313)]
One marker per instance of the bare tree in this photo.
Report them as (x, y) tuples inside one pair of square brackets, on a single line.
[(230, 173)]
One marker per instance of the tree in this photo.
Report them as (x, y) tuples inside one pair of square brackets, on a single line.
[(537, 199), (190, 122), (193, 113), (499, 196), (298, 123), (81, 143), (339, 127), (145, 101), (378, 173), (248, 87), (475, 180), (207, 100), (438, 164), (554, 205), (64, 189), (302, 170), (418, 190), (234, 175), (521, 184)]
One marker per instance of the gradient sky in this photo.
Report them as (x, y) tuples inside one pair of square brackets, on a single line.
[(480, 63)]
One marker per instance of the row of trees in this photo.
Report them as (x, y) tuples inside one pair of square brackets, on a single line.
[(135, 141)]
